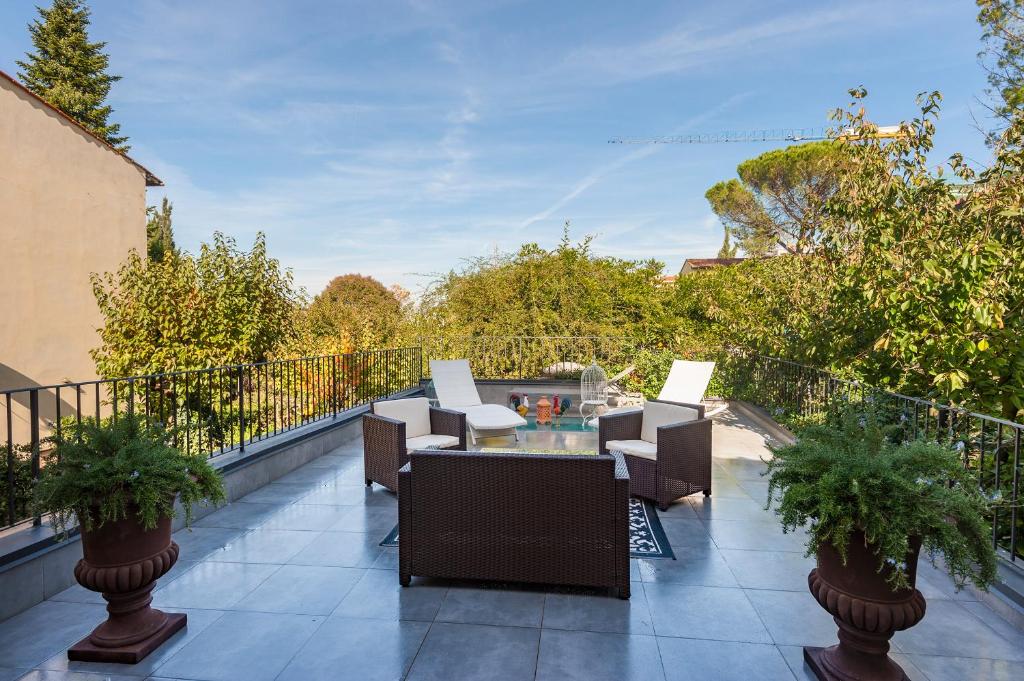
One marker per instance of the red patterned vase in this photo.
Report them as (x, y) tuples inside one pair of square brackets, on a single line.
[(867, 610), (123, 561)]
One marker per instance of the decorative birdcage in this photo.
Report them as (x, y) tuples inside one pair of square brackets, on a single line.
[(593, 392)]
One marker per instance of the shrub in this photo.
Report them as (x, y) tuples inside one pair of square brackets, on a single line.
[(854, 473), (103, 469)]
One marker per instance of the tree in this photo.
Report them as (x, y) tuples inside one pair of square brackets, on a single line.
[(778, 200), (728, 249), (159, 234), (69, 71), (1002, 23), (224, 306), (353, 312), (928, 274)]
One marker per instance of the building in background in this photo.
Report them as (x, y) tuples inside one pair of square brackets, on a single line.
[(696, 264), (70, 205)]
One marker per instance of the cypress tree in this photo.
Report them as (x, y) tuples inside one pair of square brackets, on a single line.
[(69, 71)]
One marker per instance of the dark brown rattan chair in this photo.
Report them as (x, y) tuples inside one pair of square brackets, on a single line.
[(515, 517), (384, 442), (683, 462)]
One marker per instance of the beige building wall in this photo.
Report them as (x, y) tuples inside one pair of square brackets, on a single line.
[(69, 206)]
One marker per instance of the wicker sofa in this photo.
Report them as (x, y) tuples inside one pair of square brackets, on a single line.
[(516, 517), (667, 447), (393, 427)]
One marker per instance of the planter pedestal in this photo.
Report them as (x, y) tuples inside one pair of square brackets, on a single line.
[(123, 562), (867, 611)]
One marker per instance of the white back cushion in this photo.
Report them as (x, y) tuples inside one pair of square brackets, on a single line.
[(657, 414), (415, 411), (687, 381), (453, 382)]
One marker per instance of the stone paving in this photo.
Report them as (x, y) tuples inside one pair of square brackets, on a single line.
[(289, 584)]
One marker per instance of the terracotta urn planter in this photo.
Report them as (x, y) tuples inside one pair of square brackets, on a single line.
[(123, 561), (867, 610)]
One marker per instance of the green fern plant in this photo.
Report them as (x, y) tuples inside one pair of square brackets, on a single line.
[(102, 470), (856, 473)]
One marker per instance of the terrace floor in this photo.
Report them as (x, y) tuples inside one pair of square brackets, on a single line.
[(289, 584)]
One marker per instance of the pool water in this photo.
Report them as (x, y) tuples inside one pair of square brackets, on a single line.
[(565, 424)]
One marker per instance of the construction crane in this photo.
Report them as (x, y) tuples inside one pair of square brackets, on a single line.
[(772, 135)]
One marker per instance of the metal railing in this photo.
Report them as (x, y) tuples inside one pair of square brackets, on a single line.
[(990, 446), (529, 357), (212, 411)]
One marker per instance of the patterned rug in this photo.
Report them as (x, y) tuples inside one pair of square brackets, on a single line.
[(646, 535)]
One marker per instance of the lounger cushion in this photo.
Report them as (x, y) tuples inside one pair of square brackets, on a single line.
[(431, 442), (492, 417), (687, 381), (657, 414), (641, 448), (414, 411)]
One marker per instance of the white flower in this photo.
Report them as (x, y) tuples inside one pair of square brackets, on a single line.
[(134, 474)]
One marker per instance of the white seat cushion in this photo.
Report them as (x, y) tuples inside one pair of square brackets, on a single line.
[(414, 411), (431, 441), (657, 414), (492, 417), (453, 383), (641, 448)]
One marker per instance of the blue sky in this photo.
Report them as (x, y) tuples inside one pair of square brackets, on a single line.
[(396, 139)]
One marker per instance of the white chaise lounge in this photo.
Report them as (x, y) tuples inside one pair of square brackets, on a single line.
[(686, 384), (456, 390)]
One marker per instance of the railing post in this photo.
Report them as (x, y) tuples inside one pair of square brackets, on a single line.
[(241, 408), (33, 408), (334, 385)]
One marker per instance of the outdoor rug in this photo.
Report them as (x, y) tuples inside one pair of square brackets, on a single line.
[(646, 535)]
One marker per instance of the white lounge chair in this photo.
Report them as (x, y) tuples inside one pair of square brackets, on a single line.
[(456, 390), (686, 383)]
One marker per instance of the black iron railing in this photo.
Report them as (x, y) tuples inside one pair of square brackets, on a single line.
[(990, 446), (212, 411), (529, 357)]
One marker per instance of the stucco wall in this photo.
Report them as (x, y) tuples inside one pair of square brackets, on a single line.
[(69, 206)]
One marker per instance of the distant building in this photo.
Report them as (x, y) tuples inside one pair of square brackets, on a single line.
[(668, 279), (695, 264), (70, 205)]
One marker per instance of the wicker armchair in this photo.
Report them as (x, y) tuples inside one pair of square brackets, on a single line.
[(515, 517), (394, 427), (667, 458)]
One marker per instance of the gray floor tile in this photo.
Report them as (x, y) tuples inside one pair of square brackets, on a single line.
[(505, 607), (340, 549), (757, 536), (304, 518), (591, 656), (704, 612), (967, 669), (309, 474), (198, 542), (725, 508), (265, 546), (1005, 629), (948, 628), (198, 620), (44, 675), (779, 570), (347, 495), (242, 646), (213, 585), (453, 652), (678, 510), (10, 673), (357, 649), (795, 659), (34, 636), (378, 595), (302, 590), (387, 560), (685, 659), (276, 493), (370, 519), (599, 613), (794, 618), (687, 534), (239, 515), (703, 567)]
